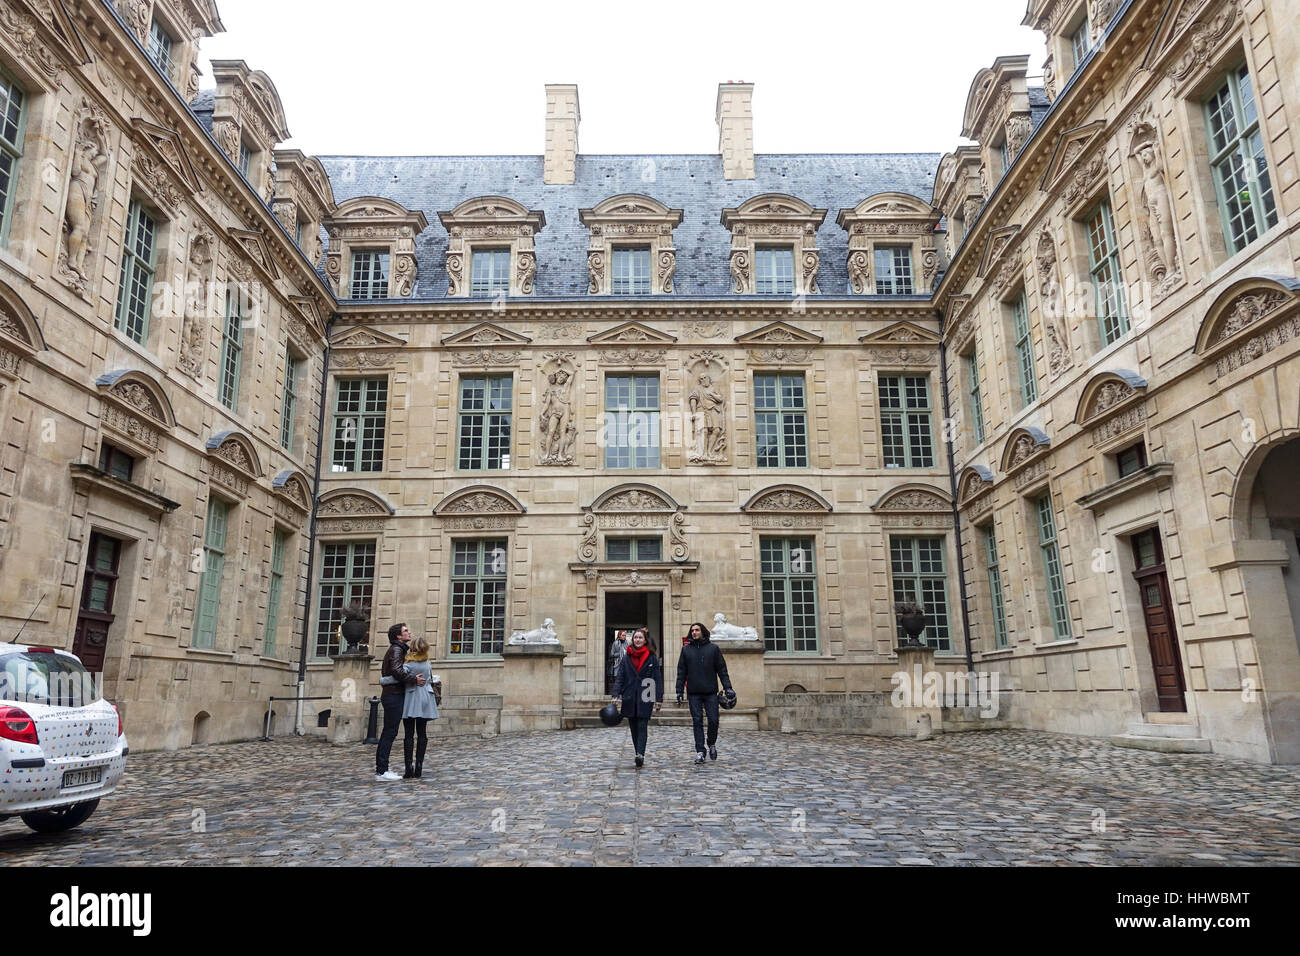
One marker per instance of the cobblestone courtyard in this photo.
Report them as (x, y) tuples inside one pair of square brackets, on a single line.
[(996, 798)]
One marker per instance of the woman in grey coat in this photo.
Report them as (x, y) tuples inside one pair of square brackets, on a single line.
[(420, 705)]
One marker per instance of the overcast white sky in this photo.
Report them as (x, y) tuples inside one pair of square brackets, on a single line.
[(399, 77)]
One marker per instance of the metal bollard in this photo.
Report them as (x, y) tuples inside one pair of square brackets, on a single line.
[(373, 726)]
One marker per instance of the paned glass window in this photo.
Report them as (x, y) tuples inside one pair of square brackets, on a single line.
[(347, 574), (893, 270), (1107, 281), (632, 421), (478, 597), (1241, 177), (995, 588), (489, 271), (369, 275), (972, 362), (232, 335), (159, 49), (780, 421), (485, 416), (11, 147), (774, 270), (1080, 42), (633, 549), (631, 273), (1052, 566), (135, 292), (907, 440), (917, 566), (788, 570), (115, 461), (1131, 459), (360, 410), (214, 557), (1024, 350), (278, 544), (289, 405)]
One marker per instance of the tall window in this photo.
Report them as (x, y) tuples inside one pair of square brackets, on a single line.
[(347, 574), (893, 270), (245, 159), (995, 587), (478, 597), (288, 407), (136, 288), (1052, 566), (972, 362), (1004, 155), (231, 349), (1080, 42), (631, 273), (489, 271), (11, 147), (360, 408), (774, 270), (633, 549), (781, 421), (159, 48), (918, 571), (485, 413), (278, 543), (789, 574), (1107, 281), (1024, 350), (632, 421), (1237, 156), (214, 557), (369, 275), (906, 437)]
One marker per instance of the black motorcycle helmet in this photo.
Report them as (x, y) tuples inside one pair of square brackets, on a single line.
[(726, 700), (610, 716)]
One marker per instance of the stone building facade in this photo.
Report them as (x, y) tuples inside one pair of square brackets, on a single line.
[(1045, 384)]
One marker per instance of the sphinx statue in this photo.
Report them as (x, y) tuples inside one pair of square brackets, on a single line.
[(724, 630), (539, 635)]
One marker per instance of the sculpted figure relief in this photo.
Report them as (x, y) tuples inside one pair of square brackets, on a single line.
[(538, 635), (708, 405), (724, 630), (90, 156), (556, 420), (1155, 207)]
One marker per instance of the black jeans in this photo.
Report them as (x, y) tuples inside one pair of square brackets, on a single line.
[(702, 704), (417, 729), (640, 727), (392, 704)]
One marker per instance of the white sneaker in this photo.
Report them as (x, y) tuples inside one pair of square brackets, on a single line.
[(388, 775)]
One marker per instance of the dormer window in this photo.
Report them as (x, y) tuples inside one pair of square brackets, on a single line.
[(245, 159), (631, 247), (372, 248), (369, 275), (774, 270), (893, 270), (490, 271), (490, 247), (1080, 41), (891, 239), (159, 48)]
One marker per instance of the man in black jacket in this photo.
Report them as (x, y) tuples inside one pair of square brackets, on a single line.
[(699, 669), (392, 697)]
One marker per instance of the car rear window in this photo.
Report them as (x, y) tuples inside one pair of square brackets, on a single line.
[(39, 677)]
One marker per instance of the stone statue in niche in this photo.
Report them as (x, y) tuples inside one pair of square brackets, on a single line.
[(197, 290), (90, 156), (556, 419), (708, 405), (1155, 206)]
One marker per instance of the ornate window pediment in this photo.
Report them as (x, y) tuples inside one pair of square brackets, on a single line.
[(630, 220), (1189, 36), (774, 219), (973, 487), (486, 334), (997, 115), (364, 348), (20, 336), (1249, 318), (890, 219), (491, 222), (305, 326), (1070, 146), (634, 334), (255, 248), (786, 499), (902, 345), (233, 461), (479, 508), (633, 506), (1024, 446), (1108, 393), (914, 505), (349, 510), (303, 198), (135, 409), (248, 119), (292, 496), (997, 245), (779, 343), (167, 145), (373, 224)]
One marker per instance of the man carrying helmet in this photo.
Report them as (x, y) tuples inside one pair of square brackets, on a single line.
[(699, 668)]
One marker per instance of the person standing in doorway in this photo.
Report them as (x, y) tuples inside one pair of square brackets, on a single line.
[(639, 684), (419, 706), (699, 669), (393, 696)]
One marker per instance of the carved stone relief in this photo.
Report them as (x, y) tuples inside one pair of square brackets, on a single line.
[(194, 329), (82, 210), (1154, 210), (557, 428), (1052, 305), (707, 403)]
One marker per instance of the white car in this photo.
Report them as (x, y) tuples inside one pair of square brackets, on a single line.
[(61, 744)]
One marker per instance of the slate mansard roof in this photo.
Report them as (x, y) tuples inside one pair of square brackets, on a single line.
[(692, 183)]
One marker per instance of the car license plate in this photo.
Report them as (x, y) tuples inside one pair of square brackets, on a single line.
[(82, 778)]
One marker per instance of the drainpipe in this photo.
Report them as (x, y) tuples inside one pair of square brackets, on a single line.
[(952, 485), (298, 727)]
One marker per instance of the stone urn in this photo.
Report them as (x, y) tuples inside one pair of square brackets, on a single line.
[(911, 617), (356, 627)]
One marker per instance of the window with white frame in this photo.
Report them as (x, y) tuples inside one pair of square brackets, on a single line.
[(360, 413), (893, 270), (478, 597), (289, 403), (135, 291), (1240, 169), (159, 48), (347, 575), (995, 587), (369, 274), (917, 567), (12, 101), (1080, 41), (1107, 280), (1056, 603), (245, 159), (631, 271), (486, 404), (907, 439), (1024, 349), (633, 549), (788, 570), (774, 270), (972, 363), (232, 348), (780, 421), (489, 271), (631, 421)]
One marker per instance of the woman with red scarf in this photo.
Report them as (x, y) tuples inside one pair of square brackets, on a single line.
[(639, 684)]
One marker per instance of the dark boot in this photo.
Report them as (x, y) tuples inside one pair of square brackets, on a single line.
[(407, 745), (419, 756)]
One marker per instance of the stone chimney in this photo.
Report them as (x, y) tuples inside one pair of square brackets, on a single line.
[(562, 117), (735, 116)]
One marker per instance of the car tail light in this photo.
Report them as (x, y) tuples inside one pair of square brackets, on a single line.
[(17, 725), (40, 650)]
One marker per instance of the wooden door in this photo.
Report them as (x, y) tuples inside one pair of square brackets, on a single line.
[(1158, 613), (99, 587)]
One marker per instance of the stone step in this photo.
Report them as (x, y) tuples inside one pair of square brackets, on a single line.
[(1169, 717), (1184, 731), (1166, 745)]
